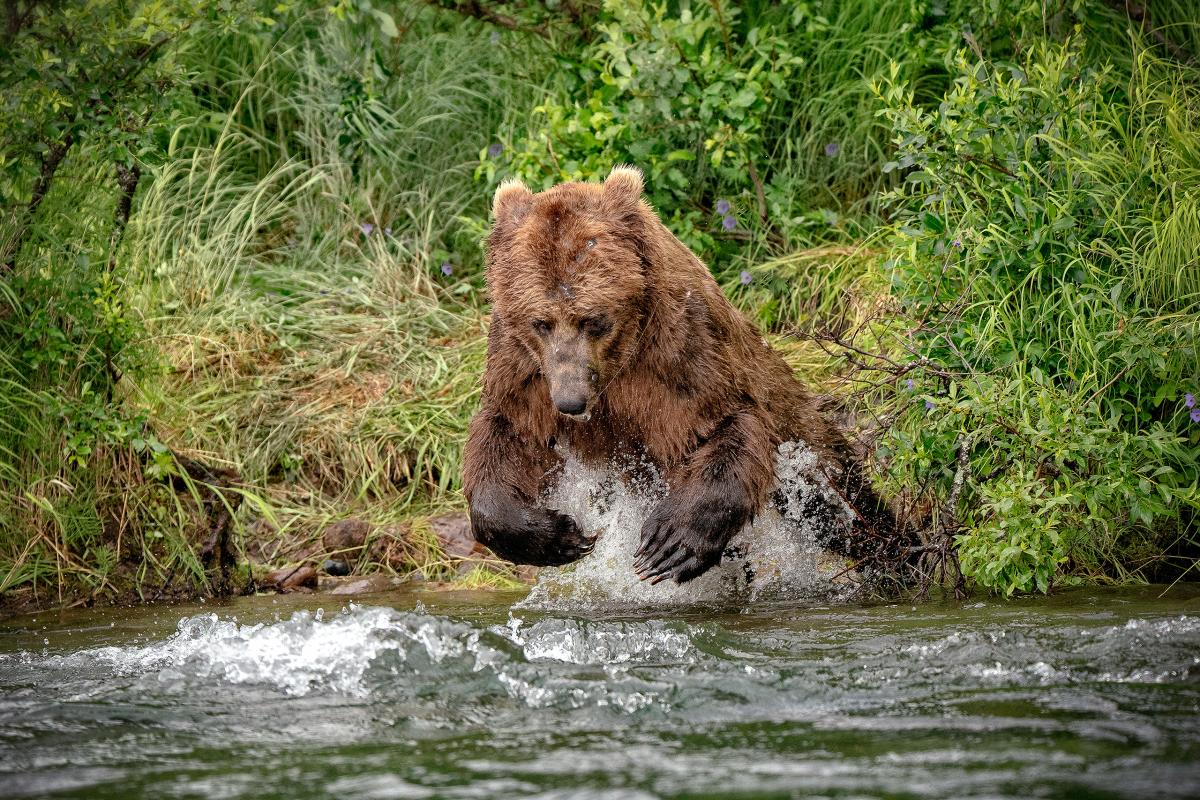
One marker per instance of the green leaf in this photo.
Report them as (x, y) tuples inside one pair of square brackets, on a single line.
[(386, 24)]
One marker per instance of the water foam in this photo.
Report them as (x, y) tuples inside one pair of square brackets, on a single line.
[(604, 643), (776, 557), (382, 653), (1136, 651), (296, 656)]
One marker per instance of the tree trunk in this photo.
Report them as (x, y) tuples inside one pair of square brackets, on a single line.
[(127, 179)]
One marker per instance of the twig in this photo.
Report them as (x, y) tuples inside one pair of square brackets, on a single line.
[(1138, 13), (988, 162), (961, 473), (50, 160), (216, 552), (480, 11), (893, 367), (716, 6), (553, 157), (850, 568), (993, 473), (127, 181), (758, 189), (1100, 391)]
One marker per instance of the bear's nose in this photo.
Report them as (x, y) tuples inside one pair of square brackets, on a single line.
[(570, 405)]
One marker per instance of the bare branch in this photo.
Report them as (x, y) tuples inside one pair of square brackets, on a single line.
[(481, 11)]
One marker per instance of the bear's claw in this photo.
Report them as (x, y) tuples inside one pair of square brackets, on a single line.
[(676, 552), (682, 541), (676, 560)]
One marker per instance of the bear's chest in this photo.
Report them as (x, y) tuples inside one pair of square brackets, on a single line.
[(629, 425)]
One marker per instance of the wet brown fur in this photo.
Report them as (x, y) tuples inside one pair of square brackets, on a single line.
[(671, 373)]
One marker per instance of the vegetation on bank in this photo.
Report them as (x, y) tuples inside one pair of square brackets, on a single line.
[(241, 287)]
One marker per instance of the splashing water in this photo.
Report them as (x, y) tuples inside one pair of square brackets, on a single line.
[(297, 656), (776, 557), (383, 653)]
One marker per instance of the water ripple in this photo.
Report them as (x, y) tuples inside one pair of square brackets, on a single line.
[(381, 702)]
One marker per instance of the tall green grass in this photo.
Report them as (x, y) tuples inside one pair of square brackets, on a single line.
[(332, 370), (296, 253)]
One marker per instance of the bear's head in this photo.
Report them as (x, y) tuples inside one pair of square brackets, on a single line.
[(568, 280)]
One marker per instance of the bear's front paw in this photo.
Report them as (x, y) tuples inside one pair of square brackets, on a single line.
[(566, 541), (682, 540), (529, 535)]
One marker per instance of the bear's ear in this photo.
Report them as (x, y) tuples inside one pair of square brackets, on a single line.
[(511, 201), (623, 185)]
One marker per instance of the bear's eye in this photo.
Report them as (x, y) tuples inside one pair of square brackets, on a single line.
[(542, 327), (590, 244), (595, 326)]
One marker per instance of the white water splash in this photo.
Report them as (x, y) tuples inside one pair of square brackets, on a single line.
[(601, 643), (383, 653), (297, 656), (779, 555)]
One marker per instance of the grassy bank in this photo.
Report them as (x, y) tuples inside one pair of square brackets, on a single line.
[(977, 230)]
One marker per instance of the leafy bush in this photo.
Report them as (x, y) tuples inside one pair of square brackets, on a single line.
[(710, 100), (1048, 347)]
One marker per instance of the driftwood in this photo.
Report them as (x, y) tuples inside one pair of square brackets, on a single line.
[(212, 485)]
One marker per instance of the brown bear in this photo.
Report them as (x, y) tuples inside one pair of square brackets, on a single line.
[(610, 337)]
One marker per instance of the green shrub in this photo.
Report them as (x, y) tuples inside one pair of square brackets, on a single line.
[(1027, 254)]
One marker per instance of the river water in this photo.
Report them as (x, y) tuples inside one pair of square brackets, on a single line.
[(1092, 693)]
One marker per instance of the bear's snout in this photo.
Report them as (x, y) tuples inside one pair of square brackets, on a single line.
[(571, 406), (571, 376), (570, 397)]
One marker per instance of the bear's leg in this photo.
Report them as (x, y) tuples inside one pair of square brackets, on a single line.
[(502, 478), (715, 492)]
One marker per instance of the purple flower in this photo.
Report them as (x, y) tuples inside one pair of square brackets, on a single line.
[(929, 405), (447, 269), (729, 223), (366, 228), (909, 384), (832, 149), (746, 278), (722, 206), (957, 243), (1195, 415), (495, 149), (387, 231), (1189, 400)]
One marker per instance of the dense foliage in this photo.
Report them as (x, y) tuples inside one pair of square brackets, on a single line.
[(247, 235)]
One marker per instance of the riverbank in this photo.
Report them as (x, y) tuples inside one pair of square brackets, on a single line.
[(243, 300)]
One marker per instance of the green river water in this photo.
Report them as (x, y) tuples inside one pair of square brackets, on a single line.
[(1092, 693)]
